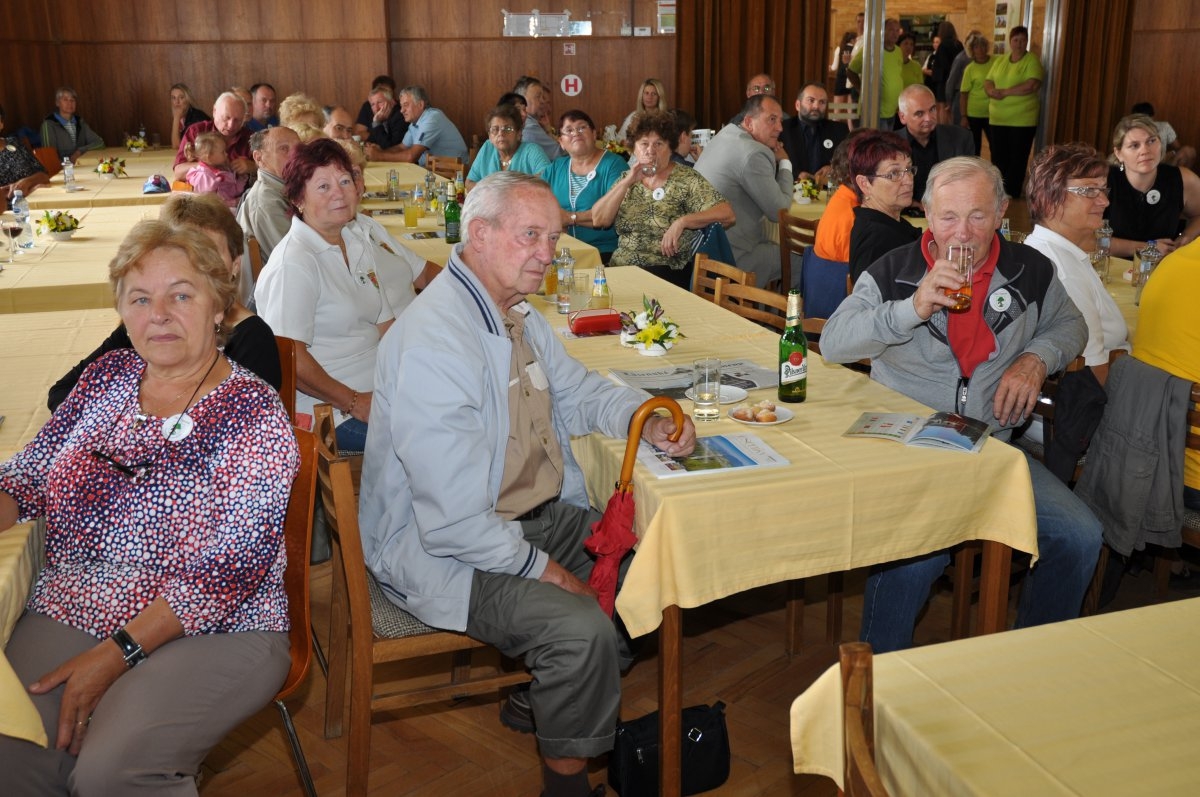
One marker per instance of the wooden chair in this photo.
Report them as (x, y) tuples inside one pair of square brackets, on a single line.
[(860, 776), (48, 157), (843, 111), (367, 629), (706, 271), (444, 166), (1191, 517), (756, 304), (297, 528), (795, 235), (254, 252), (287, 367)]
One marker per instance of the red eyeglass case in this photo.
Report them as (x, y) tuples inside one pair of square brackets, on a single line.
[(594, 322)]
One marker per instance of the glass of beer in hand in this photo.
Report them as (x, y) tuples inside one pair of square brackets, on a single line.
[(963, 258)]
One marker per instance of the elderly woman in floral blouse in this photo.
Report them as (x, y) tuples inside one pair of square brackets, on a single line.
[(659, 208), (159, 622)]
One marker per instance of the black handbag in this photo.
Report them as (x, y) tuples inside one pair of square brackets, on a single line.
[(633, 765)]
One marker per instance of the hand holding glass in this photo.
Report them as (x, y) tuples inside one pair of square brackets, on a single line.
[(962, 256)]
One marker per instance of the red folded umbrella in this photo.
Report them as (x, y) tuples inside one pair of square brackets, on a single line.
[(612, 535)]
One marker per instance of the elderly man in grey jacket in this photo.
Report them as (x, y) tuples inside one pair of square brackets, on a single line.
[(748, 165), (987, 362), (473, 509)]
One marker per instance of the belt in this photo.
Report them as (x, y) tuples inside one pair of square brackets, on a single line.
[(536, 512)]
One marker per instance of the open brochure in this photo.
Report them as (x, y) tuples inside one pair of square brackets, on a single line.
[(715, 453), (947, 430), (673, 381)]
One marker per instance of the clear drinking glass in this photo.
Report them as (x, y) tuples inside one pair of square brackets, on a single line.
[(706, 389)]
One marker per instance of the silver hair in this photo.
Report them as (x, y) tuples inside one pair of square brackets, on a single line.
[(963, 168), (229, 95), (384, 90), (492, 197), (910, 92), (417, 93)]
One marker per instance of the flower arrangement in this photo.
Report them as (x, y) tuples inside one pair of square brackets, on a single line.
[(806, 188), (57, 221), (135, 143), (113, 166), (649, 331), (612, 143)]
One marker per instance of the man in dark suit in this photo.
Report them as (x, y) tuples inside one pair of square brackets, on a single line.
[(931, 142), (809, 137)]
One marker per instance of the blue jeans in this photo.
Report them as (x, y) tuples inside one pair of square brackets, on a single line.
[(1191, 498), (1069, 539), (351, 436)]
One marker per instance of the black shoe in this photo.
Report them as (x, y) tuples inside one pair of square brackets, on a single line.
[(516, 713), (1186, 580)]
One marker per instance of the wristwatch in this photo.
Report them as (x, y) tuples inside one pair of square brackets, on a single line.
[(131, 650)]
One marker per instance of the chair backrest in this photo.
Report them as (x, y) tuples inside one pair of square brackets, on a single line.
[(444, 166), (48, 157), (843, 111), (297, 539), (326, 430), (1193, 418), (759, 305), (254, 252), (705, 272), (339, 496), (813, 327), (795, 235), (860, 778), (287, 367)]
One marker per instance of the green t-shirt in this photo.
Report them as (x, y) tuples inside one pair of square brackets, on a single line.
[(911, 73), (891, 79), (1014, 111), (974, 76)]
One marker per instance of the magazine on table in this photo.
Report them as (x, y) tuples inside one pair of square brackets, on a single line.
[(946, 430), (673, 381), (715, 453)]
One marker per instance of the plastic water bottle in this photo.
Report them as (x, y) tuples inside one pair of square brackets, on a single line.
[(1104, 239), (68, 170), (418, 197), (430, 194), (20, 209), (1147, 261)]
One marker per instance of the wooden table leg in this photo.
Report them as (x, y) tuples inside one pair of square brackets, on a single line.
[(993, 587), (670, 701)]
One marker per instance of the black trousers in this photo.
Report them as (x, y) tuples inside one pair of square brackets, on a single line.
[(1010, 153)]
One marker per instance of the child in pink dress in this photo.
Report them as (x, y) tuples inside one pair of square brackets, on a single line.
[(211, 174)]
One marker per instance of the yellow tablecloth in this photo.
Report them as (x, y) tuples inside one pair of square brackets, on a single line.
[(1122, 293), (1101, 705), (839, 505), (36, 350), (100, 192), (70, 275)]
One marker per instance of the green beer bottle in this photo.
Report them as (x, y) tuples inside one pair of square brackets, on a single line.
[(453, 219), (793, 355)]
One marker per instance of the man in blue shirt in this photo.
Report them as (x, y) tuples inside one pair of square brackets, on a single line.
[(262, 108), (430, 132)]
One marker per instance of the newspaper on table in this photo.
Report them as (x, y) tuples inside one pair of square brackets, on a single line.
[(715, 453), (946, 430), (673, 381)]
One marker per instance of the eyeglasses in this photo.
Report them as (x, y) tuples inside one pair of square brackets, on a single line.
[(896, 175), (1089, 191), (133, 470), (765, 88), (495, 131), (575, 131)]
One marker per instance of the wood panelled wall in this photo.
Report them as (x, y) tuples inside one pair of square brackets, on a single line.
[(1164, 62), (122, 62)]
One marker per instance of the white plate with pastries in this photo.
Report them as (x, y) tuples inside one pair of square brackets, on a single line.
[(764, 413)]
